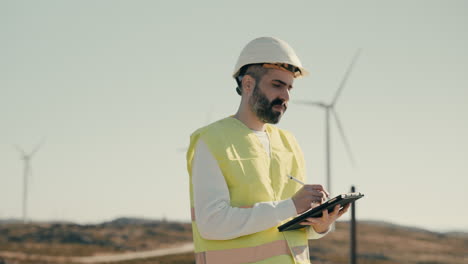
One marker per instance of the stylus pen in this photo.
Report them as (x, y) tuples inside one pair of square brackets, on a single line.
[(296, 180)]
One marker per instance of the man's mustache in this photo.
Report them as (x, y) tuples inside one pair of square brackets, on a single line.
[(278, 101)]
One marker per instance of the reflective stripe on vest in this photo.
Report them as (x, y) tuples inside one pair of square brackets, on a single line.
[(251, 176), (252, 254)]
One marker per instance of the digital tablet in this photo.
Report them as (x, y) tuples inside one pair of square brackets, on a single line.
[(342, 200)]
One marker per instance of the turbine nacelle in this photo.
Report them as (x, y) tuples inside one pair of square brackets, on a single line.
[(330, 111)]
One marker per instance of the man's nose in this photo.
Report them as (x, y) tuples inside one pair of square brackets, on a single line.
[(285, 95)]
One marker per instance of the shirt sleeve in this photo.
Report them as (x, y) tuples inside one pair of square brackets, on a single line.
[(312, 234), (216, 219)]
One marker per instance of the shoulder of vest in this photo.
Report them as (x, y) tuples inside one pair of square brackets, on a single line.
[(210, 134), (216, 132), (211, 128)]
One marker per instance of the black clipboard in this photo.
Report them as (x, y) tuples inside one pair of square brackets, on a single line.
[(342, 199)]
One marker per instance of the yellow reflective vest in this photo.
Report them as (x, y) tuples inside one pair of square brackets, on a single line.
[(252, 177)]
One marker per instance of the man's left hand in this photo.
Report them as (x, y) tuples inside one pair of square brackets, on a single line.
[(322, 224)]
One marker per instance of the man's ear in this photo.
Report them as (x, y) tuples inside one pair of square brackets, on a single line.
[(248, 84)]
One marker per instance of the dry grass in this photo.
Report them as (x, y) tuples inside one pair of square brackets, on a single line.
[(377, 244), (382, 244), (85, 240)]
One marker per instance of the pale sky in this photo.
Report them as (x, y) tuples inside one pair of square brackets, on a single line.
[(116, 88)]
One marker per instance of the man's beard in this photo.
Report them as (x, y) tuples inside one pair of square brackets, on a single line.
[(263, 108)]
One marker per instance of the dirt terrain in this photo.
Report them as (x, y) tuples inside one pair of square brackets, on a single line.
[(68, 239), (136, 241)]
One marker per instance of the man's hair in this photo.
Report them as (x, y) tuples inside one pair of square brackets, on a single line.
[(256, 71)]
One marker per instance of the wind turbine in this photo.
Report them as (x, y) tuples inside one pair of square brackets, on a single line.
[(27, 172), (330, 111)]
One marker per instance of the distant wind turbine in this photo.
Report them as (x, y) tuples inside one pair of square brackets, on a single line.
[(27, 173), (330, 111)]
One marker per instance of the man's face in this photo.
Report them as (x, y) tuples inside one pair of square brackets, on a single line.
[(270, 96)]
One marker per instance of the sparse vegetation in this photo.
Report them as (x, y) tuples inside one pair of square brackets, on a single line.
[(378, 243), (121, 235)]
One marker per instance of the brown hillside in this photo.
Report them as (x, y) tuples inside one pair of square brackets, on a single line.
[(121, 235), (378, 243)]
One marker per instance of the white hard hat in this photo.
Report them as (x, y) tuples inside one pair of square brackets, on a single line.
[(270, 50)]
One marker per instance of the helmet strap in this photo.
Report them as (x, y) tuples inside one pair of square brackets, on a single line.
[(283, 67), (239, 83)]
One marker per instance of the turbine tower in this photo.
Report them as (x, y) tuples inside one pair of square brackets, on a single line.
[(330, 111), (27, 172)]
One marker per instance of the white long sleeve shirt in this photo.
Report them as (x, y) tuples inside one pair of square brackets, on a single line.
[(215, 217)]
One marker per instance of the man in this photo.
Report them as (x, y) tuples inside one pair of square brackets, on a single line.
[(239, 167)]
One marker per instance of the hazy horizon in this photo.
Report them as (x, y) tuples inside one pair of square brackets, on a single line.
[(376, 221)]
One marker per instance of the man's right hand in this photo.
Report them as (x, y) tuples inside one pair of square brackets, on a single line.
[(309, 194)]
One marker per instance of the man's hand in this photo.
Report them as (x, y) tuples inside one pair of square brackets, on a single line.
[(322, 224), (309, 194)]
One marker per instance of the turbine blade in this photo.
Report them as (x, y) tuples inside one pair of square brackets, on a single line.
[(343, 137), (20, 150), (308, 102), (345, 78), (37, 148)]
